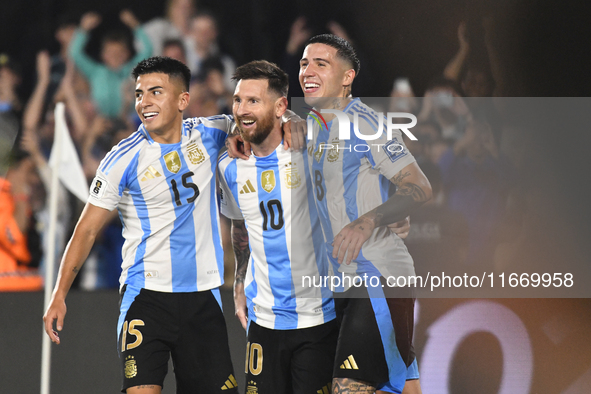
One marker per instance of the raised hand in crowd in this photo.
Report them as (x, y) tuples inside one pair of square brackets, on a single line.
[(338, 30), (90, 20), (129, 19), (298, 35)]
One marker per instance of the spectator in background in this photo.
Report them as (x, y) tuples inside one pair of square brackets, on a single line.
[(430, 146), (175, 49), (402, 97), (438, 237), (107, 78), (37, 139), (300, 32), (473, 76), (209, 95), (63, 34), (477, 180), (175, 26), (9, 108), (10, 79), (471, 70), (444, 105), (204, 36), (15, 222)]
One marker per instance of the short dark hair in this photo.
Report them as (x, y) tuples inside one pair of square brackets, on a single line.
[(262, 69), (165, 65), (175, 42), (344, 48), (119, 36)]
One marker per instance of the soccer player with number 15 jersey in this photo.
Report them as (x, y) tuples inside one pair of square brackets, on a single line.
[(162, 180)]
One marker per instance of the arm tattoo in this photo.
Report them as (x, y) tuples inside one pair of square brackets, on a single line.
[(410, 189), (76, 270), (397, 180), (350, 386), (407, 198), (241, 250), (407, 188)]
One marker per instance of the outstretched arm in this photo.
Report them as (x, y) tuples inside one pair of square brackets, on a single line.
[(242, 254), (34, 109), (145, 51), (413, 190), (85, 63), (90, 223), (454, 67)]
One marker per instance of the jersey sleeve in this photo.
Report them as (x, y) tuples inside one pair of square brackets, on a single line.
[(228, 205), (387, 156), (108, 185), (218, 127)]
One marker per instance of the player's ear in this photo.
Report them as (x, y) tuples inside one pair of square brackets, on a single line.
[(348, 77), (280, 106), (184, 99)]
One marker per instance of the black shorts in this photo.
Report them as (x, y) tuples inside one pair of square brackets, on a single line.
[(290, 361), (190, 327), (367, 350)]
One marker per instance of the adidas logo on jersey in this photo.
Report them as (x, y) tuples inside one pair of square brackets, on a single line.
[(230, 383), (325, 389), (151, 174), (349, 363), (247, 188)]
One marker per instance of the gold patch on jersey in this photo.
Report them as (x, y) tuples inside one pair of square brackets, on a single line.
[(173, 161), (333, 154), (251, 388), (318, 153), (195, 154), (130, 367), (268, 180), (151, 173), (310, 150), (292, 178)]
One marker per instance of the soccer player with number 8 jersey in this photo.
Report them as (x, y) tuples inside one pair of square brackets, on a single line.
[(375, 339)]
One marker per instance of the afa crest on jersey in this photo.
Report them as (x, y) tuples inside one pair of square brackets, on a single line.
[(268, 180), (130, 367), (292, 178), (173, 161), (195, 154), (333, 154)]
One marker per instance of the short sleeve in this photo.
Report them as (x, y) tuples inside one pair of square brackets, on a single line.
[(228, 205), (218, 127), (104, 191), (388, 156)]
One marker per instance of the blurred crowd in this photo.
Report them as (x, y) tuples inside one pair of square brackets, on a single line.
[(459, 145)]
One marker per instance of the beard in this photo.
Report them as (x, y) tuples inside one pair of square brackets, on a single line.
[(263, 128)]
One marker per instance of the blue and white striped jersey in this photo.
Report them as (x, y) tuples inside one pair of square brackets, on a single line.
[(166, 196), (273, 196), (351, 178)]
